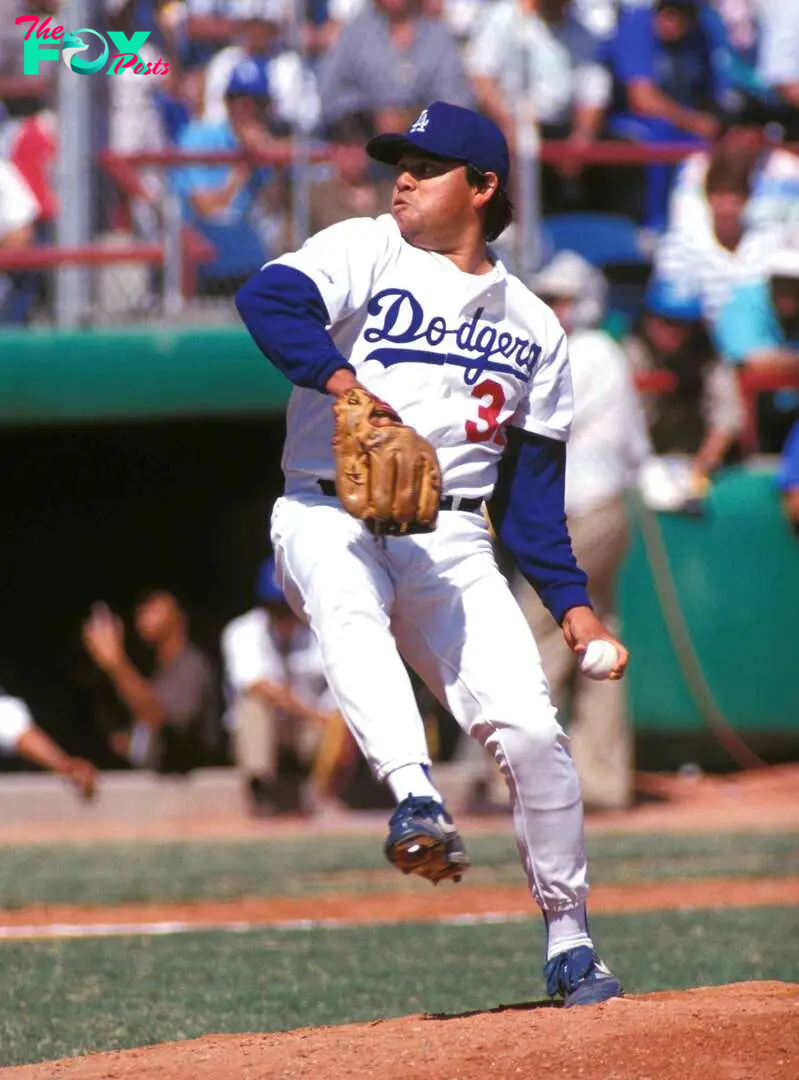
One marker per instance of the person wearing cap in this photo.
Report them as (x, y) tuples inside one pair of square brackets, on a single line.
[(224, 201), (21, 735), (703, 417), (261, 65), (607, 447), (416, 309), (279, 701), (175, 714), (758, 327)]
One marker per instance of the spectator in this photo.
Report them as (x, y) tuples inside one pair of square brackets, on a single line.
[(759, 326), (702, 419), (732, 29), (607, 446), (665, 89), (390, 62), (537, 51), (778, 60), (712, 262), (346, 188), (136, 125), (19, 211), (788, 478), (773, 176), (179, 100), (263, 56), (19, 734), (175, 712), (32, 146), (280, 700), (223, 201)]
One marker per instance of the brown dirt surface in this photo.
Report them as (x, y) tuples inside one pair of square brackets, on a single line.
[(411, 906), (745, 1031)]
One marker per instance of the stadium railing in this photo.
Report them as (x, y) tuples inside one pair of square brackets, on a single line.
[(182, 249)]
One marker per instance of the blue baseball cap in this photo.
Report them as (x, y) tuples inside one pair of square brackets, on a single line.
[(266, 587), (250, 77), (671, 300), (450, 132)]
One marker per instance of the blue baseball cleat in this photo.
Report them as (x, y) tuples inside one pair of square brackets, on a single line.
[(422, 839), (580, 978)]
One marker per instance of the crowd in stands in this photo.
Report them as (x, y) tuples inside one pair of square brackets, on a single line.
[(720, 77)]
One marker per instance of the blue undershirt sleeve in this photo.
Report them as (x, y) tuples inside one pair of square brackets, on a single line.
[(284, 312), (528, 515)]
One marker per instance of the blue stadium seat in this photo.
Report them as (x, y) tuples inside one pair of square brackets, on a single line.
[(602, 239)]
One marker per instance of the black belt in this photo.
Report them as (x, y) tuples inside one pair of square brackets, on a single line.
[(448, 502)]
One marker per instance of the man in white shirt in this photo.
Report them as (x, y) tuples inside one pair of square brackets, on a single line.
[(536, 49), (280, 702), (712, 262), (774, 197), (609, 442)]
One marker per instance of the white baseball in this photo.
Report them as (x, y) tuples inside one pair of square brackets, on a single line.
[(599, 659)]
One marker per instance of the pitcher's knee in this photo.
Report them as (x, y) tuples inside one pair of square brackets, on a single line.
[(528, 743)]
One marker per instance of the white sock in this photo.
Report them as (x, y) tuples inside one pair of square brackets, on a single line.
[(412, 780), (567, 930)]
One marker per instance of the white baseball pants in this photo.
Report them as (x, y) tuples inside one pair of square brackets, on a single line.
[(440, 600)]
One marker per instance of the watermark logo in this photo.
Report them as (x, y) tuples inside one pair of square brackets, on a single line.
[(51, 43)]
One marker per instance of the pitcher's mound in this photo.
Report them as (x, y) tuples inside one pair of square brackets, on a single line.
[(746, 1031)]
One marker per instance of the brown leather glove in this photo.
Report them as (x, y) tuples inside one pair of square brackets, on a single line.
[(387, 475)]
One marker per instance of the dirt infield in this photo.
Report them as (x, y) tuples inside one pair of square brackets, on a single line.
[(746, 1031), (448, 904)]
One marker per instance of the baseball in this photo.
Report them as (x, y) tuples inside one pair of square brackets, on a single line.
[(598, 659)]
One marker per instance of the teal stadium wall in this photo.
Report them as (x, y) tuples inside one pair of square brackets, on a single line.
[(736, 569)]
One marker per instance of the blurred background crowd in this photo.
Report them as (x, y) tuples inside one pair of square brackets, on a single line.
[(657, 209)]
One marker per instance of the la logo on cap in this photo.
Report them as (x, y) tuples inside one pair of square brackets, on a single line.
[(420, 124)]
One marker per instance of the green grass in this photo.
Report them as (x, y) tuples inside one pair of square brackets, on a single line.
[(64, 998), (133, 872)]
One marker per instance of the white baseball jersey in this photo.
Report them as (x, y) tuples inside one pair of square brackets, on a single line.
[(250, 653), (459, 356)]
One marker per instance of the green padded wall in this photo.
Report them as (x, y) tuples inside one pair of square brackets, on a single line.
[(737, 574)]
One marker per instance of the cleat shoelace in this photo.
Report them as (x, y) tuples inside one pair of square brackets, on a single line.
[(418, 806)]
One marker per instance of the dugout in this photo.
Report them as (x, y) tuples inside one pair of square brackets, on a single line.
[(134, 458)]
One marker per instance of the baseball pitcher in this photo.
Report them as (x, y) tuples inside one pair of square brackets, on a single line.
[(428, 380)]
